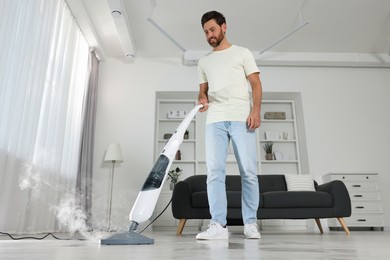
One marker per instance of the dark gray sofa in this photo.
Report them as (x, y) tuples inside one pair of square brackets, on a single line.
[(330, 200)]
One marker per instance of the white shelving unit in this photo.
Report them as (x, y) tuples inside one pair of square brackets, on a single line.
[(287, 139), (193, 159)]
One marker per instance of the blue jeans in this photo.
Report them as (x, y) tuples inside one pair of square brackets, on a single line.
[(244, 145)]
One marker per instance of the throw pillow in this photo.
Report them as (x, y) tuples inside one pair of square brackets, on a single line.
[(299, 182)]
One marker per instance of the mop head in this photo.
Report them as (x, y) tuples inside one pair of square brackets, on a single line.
[(127, 238)]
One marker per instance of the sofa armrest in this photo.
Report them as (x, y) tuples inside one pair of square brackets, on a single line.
[(181, 200), (341, 199)]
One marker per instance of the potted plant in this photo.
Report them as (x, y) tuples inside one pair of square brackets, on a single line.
[(186, 134), (173, 175), (268, 150)]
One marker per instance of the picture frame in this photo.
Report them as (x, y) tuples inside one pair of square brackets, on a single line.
[(278, 156), (271, 136)]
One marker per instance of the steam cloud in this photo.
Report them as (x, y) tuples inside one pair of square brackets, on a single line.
[(30, 179), (69, 214)]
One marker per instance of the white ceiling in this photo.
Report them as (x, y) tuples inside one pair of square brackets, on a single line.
[(336, 26)]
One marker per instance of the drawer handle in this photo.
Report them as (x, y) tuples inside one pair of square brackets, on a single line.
[(362, 220), (356, 186), (358, 196), (359, 207)]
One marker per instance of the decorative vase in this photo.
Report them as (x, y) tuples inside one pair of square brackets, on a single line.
[(268, 156), (171, 186), (178, 155)]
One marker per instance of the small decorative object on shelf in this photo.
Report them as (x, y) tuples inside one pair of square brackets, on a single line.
[(178, 155), (186, 135), (268, 150), (278, 156), (176, 114), (269, 135), (275, 115), (173, 175), (167, 136)]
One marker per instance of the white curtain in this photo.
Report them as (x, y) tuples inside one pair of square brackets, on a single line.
[(43, 79), (85, 170)]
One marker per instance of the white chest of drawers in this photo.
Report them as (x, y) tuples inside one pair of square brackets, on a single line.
[(366, 200)]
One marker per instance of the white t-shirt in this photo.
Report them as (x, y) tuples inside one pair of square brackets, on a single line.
[(226, 73)]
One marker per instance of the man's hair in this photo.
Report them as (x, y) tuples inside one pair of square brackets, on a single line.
[(217, 16)]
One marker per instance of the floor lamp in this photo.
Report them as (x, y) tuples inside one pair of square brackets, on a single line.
[(113, 155)]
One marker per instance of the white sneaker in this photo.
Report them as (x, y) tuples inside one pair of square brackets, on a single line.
[(251, 231), (215, 231)]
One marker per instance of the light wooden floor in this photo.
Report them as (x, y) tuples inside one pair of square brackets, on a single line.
[(273, 245)]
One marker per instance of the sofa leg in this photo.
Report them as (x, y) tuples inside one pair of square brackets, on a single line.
[(342, 223), (180, 227), (319, 225)]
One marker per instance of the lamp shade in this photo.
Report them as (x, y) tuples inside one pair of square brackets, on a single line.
[(113, 153)]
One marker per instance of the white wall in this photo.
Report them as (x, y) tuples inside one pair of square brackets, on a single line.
[(345, 111)]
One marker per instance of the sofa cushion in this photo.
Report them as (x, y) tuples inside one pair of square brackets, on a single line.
[(299, 182), (272, 183), (199, 199), (297, 199)]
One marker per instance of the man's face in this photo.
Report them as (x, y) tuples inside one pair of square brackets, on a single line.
[(214, 33)]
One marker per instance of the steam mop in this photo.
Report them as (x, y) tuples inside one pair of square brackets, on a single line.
[(147, 198)]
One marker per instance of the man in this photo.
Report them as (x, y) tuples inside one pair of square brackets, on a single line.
[(224, 74)]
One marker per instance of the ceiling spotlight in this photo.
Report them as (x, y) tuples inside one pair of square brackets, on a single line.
[(130, 56), (116, 13)]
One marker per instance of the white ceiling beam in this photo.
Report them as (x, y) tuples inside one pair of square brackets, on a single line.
[(307, 59), (310, 59), (124, 32)]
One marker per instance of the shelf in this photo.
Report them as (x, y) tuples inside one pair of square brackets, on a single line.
[(277, 120), (184, 141), (183, 161), (227, 162), (279, 161), (177, 101), (173, 120), (278, 141)]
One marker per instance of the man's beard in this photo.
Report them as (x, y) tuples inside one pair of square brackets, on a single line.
[(216, 41)]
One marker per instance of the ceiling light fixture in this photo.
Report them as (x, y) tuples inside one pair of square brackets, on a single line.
[(122, 29), (116, 13)]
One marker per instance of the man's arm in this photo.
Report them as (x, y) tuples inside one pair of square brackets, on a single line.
[(203, 96), (254, 118)]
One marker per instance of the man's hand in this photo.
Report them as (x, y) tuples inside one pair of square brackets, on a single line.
[(204, 103), (253, 120), (202, 97)]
